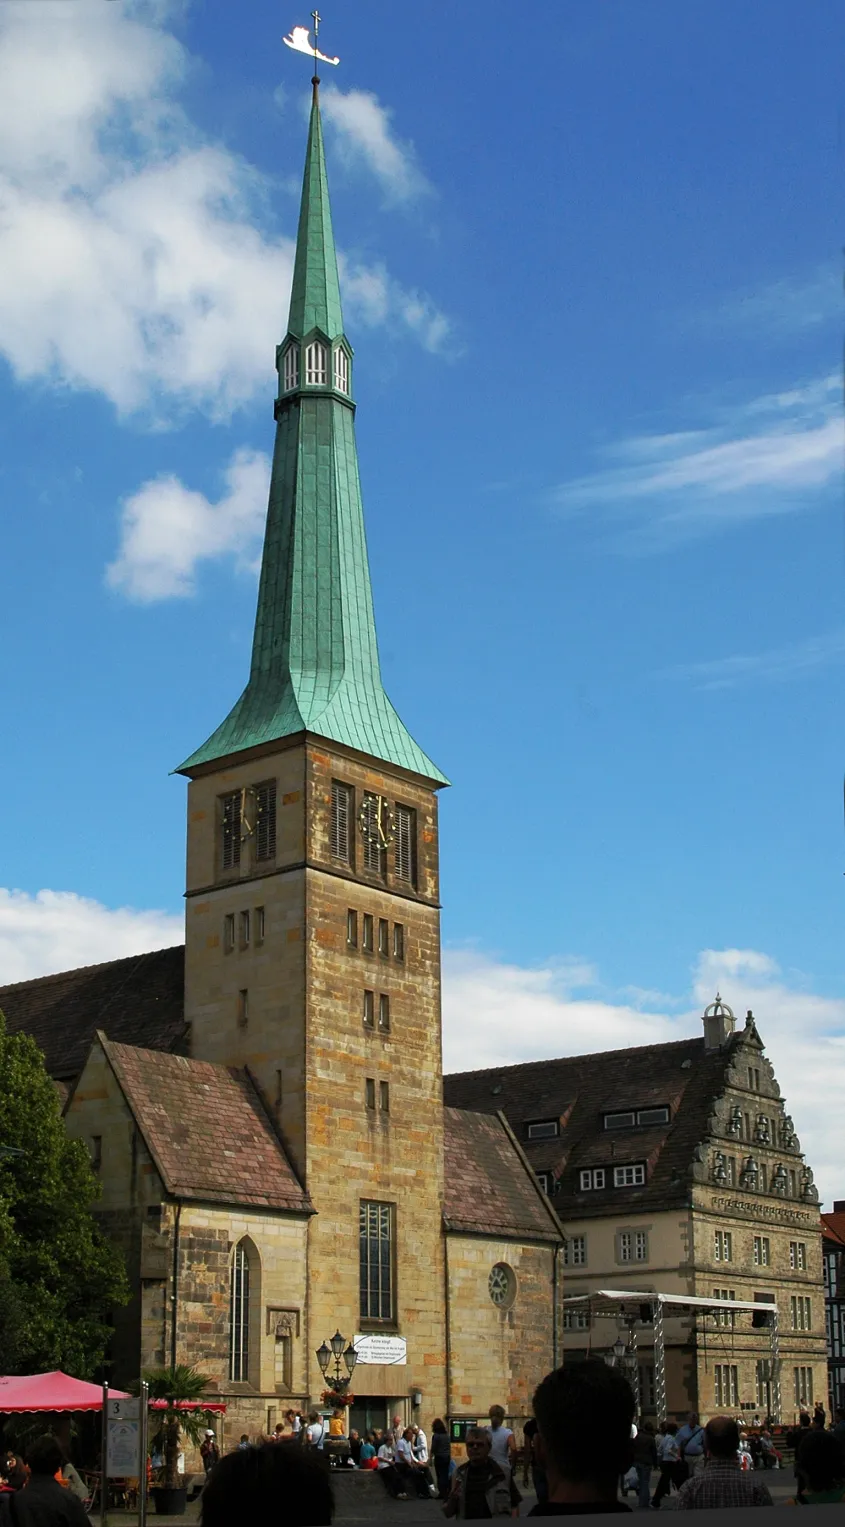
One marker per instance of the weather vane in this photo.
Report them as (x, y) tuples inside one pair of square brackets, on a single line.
[(300, 41)]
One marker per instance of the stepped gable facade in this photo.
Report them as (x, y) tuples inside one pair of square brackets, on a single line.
[(675, 1168)]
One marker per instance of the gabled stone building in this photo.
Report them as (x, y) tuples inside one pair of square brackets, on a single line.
[(675, 1168), (265, 1106)]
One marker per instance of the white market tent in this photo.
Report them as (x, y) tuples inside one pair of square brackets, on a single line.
[(627, 1305)]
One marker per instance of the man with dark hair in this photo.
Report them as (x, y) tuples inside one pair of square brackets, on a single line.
[(820, 1467), (269, 1487), (43, 1502), (584, 1417), (721, 1482)]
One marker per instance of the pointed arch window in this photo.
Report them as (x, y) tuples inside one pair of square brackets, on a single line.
[(316, 364), (239, 1316), (341, 370), (291, 371)]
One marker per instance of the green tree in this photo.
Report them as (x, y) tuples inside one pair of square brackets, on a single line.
[(178, 1386), (59, 1275)]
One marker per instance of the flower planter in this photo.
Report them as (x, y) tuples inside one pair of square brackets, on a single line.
[(170, 1502)]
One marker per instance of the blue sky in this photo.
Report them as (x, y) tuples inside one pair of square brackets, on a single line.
[(592, 273)]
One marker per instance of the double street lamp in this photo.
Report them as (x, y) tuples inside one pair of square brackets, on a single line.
[(333, 1352)]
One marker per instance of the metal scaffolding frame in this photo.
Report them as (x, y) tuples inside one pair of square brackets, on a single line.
[(627, 1305)]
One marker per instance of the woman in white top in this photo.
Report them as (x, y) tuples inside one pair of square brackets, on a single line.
[(387, 1471)]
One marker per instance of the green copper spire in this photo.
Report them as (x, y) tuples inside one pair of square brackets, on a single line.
[(315, 664)]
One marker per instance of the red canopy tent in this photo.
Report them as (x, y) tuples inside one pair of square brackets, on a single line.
[(214, 1405), (52, 1391)]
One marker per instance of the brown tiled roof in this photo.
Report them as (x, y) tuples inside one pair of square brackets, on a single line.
[(139, 1000), (489, 1190), (206, 1129), (578, 1090), (833, 1226)]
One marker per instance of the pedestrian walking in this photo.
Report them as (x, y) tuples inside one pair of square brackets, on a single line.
[(721, 1482), (502, 1440), (209, 1452), (672, 1469), (645, 1460), (441, 1456), (690, 1440)]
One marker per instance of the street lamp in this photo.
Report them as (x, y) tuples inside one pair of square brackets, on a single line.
[(335, 1352)]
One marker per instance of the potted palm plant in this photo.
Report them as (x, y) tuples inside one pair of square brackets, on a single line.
[(179, 1387)]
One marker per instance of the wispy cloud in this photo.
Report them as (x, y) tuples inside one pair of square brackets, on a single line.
[(365, 135), (774, 454), (379, 301), (167, 530), (790, 305), (774, 665)]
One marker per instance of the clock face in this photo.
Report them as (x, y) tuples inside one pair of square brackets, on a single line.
[(376, 821)]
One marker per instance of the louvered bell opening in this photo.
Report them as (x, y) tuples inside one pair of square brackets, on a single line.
[(340, 830)]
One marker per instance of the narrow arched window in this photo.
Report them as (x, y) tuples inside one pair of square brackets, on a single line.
[(291, 368), (315, 364), (239, 1317), (341, 369)]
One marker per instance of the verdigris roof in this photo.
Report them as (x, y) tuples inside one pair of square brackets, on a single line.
[(489, 1190), (315, 664), (206, 1129), (575, 1092), (139, 1000)]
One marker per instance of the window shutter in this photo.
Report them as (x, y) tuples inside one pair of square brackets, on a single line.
[(340, 830), (231, 854), (265, 825), (405, 852)]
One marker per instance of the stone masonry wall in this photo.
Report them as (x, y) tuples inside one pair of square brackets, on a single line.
[(498, 1356)]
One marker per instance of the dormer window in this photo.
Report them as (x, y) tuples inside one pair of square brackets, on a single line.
[(544, 1129), (341, 369), (315, 364), (291, 370), (632, 1117)]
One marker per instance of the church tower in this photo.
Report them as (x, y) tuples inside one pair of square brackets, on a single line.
[(312, 921)]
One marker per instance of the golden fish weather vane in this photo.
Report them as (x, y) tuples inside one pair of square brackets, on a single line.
[(300, 41)]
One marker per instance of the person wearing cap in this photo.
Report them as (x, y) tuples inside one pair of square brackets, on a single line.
[(209, 1451)]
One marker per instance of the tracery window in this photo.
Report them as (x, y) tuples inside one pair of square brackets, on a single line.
[(291, 371), (341, 369), (239, 1316), (316, 364)]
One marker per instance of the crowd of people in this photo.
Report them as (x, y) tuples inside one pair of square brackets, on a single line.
[(582, 1451)]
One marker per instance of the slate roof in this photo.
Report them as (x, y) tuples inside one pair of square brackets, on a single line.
[(489, 1190), (139, 1000), (578, 1090), (833, 1226), (206, 1129)]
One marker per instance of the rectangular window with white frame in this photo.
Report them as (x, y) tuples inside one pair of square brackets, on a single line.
[(803, 1382), (576, 1320), (723, 1246), (724, 1318), (591, 1178), (800, 1309), (640, 1246), (629, 1176), (726, 1385), (798, 1256), (376, 1243), (542, 1129), (761, 1251), (575, 1251)]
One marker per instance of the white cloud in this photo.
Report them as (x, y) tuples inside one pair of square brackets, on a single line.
[(773, 665), (167, 529), (500, 1014), (769, 456), (365, 133), (58, 930), (134, 261), (381, 302)]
